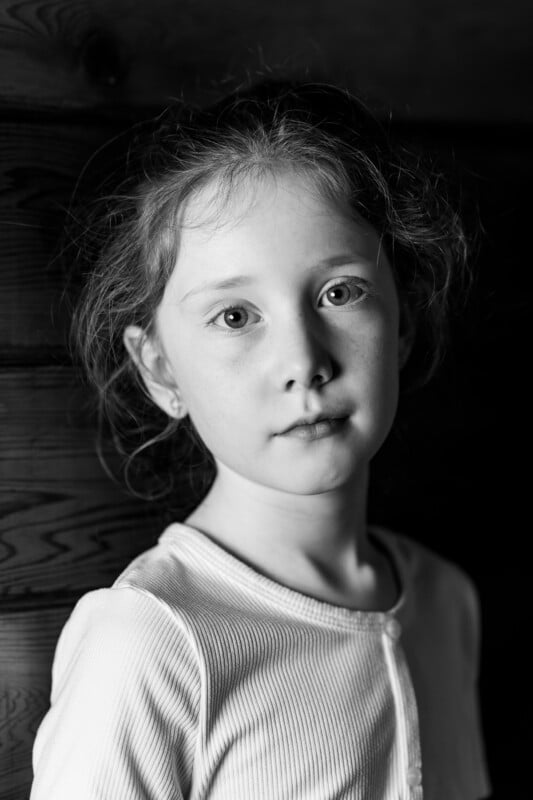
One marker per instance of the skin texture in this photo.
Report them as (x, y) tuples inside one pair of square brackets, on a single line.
[(312, 329)]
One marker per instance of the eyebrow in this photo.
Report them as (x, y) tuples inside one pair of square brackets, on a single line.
[(227, 283), (246, 280)]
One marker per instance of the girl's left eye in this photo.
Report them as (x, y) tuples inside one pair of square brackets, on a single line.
[(344, 292)]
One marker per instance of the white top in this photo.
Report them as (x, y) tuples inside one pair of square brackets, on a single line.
[(194, 676)]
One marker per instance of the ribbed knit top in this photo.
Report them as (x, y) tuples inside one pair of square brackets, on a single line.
[(195, 676)]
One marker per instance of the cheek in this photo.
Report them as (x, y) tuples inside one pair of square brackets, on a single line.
[(376, 371), (372, 346), (213, 391), (384, 355)]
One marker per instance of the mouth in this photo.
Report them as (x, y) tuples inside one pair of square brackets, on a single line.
[(316, 429)]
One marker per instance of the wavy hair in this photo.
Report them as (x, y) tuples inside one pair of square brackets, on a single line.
[(125, 244)]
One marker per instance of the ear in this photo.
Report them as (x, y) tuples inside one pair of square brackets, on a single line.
[(154, 370), (406, 334)]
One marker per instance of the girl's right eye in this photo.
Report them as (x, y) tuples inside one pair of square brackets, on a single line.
[(234, 318)]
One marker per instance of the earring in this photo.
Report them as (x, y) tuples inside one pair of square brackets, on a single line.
[(175, 405)]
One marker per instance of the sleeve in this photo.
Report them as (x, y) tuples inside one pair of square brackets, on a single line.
[(124, 701), (472, 646)]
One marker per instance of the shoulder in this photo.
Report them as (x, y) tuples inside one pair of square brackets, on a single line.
[(431, 571), (122, 611), (196, 580), (438, 586), (117, 635), (170, 572), (157, 605)]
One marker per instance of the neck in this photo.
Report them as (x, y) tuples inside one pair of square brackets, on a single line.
[(316, 544)]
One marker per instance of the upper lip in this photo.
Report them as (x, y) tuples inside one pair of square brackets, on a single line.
[(312, 419)]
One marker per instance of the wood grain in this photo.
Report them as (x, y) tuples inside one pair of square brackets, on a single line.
[(65, 526), (27, 645), (39, 166), (440, 60)]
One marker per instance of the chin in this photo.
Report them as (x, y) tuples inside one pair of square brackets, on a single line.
[(316, 481)]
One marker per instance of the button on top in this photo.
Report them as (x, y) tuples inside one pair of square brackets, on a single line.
[(414, 776), (393, 628)]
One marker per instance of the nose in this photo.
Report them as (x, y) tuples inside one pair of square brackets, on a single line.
[(303, 359)]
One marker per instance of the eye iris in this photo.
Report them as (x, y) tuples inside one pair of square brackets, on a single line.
[(338, 295), (235, 318)]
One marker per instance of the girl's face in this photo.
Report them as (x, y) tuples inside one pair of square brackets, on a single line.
[(283, 309)]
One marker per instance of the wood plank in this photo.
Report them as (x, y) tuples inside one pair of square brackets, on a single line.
[(65, 527), (442, 60), (39, 167), (27, 646)]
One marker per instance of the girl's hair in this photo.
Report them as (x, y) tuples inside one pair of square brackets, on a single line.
[(126, 244)]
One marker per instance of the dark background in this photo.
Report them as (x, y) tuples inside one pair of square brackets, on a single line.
[(463, 444), (452, 77)]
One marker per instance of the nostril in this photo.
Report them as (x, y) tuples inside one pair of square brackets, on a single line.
[(318, 379)]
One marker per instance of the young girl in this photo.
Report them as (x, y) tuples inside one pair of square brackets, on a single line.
[(266, 273)]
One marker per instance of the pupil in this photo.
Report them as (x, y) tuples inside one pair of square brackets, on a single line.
[(337, 295), (235, 319)]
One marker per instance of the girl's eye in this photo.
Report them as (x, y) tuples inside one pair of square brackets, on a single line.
[(340, 294), (233, 318)]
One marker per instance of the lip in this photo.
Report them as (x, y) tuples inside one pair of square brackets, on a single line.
[(316, 427)]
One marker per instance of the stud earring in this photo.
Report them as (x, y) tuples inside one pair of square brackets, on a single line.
[(175, 405)]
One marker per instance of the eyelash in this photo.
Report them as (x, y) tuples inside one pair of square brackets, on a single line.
[(350, 282)]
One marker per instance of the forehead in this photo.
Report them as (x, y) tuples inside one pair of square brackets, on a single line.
[(274, 211)]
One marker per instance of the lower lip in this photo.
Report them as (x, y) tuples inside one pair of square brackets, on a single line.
[(319, 430)]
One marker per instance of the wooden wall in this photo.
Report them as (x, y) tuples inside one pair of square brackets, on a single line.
[(72, 73), (439, 60)]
